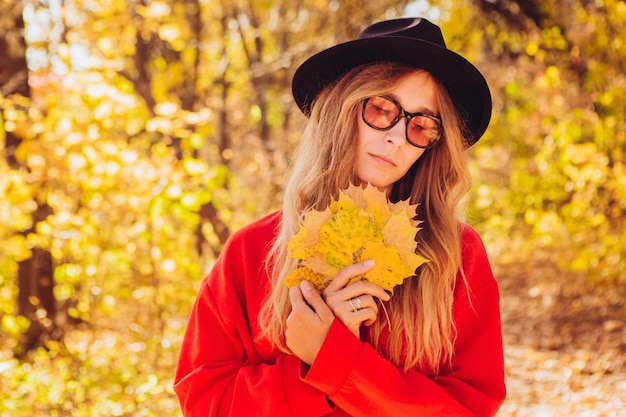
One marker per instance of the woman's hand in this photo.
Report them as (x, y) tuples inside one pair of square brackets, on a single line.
[(308, 323), (311, 315), (354, 304)]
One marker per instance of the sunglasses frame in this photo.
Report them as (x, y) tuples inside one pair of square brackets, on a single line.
[(408, 116)]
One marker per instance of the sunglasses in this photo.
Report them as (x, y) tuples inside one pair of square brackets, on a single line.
[(382, 113)]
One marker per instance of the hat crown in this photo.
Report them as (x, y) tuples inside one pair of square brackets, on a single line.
[(414, 28)]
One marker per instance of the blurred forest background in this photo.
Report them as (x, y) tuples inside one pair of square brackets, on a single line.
[(136, 135)]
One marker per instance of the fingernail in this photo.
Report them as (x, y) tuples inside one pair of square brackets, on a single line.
[(305, 285), (369, 262)]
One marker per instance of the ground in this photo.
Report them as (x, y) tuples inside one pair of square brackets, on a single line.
[(565, 343)]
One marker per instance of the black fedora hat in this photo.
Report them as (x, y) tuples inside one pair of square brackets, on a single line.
[(413, 41)]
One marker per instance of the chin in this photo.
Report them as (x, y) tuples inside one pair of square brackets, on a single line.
[(382, 186)]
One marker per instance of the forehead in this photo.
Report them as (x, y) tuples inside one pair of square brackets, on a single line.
[(416, 92)]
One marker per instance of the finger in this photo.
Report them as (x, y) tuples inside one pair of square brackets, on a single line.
[(366, 316), (358, 288), (299, 302), (296, 298), (346, 274), (362, 302), (353, 320), (314, 299), (371, 304)]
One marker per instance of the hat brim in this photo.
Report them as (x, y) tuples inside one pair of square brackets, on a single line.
[(465, 84)]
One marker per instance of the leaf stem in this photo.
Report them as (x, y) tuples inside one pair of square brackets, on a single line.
[(386, 314)]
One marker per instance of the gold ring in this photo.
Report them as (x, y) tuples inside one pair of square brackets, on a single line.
[(354, 309), (357, 302)]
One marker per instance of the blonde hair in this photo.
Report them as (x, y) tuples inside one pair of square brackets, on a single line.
[(420, 310)]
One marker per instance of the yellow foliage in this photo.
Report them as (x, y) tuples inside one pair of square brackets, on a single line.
[(360, 225)]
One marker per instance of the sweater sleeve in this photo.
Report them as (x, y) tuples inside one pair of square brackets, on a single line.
[(363, 383), (223, 370)]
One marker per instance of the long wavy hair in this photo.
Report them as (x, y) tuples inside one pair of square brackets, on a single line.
[(420, 310)]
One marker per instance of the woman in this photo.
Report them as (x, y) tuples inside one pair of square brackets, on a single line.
[(396, 109)]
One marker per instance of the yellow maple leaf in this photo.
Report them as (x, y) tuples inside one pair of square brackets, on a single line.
[(344, 234), (402, 238), (298, 275), (388, 270), (299, 246), (409, 209), (377, 205), (355, 193), (317, 264), (359, 225), (302, 244)]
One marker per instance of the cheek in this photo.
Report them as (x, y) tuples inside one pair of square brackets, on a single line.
[(412, 155), (363, 140), (361, 133)]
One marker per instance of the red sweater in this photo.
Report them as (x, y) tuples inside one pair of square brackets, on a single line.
[(225, 370)]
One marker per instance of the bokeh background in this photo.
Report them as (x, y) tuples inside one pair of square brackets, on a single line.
[(136, 135)]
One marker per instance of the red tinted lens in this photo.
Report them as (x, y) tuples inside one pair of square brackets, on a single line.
[(381, 113), (422, 130)]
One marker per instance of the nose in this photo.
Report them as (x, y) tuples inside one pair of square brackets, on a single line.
[(397, 133)]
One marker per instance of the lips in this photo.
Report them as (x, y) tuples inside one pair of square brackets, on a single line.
[(383, 160)]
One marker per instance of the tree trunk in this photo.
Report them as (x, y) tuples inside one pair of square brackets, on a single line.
[(35, 275)]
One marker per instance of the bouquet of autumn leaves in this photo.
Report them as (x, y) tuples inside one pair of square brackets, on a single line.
[(360, 225)]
